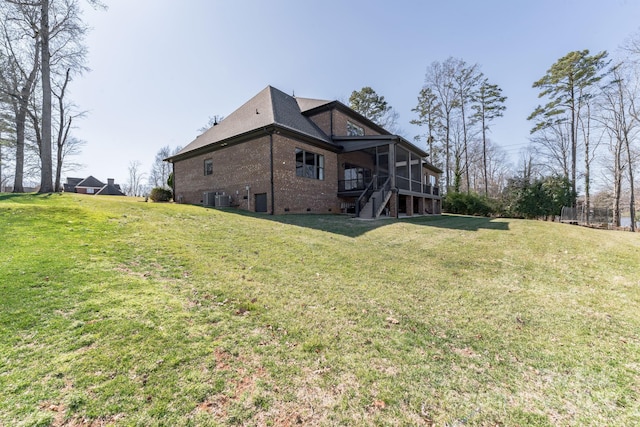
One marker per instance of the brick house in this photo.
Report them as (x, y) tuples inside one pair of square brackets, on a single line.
[(91, 185), (278, 153)]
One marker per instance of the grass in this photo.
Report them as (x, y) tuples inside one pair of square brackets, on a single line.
[(119, 312)]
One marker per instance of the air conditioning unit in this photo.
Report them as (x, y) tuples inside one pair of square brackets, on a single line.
[(222, 200), (209, 198)]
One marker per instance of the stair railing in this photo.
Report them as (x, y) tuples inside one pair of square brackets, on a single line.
[(383, 197), (364, 197)]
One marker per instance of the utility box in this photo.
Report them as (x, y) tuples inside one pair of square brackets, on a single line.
[(222, 200), (209, 198)]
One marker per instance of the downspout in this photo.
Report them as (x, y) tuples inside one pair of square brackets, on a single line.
[(273, 205), (173, 181)]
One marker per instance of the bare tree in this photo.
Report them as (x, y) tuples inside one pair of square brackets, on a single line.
[(63, 125), (20, 55), (160, 169), (61, 33), (133, 187), (620, 118), (439, 78), (552, 146), (5, 144), (213, 121)]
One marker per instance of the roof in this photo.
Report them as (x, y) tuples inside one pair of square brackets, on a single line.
[(269, 107), (74, 181), (307, 104), (110, 190), (90, 181)]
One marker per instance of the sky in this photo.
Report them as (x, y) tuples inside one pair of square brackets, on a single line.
[(161, 68)]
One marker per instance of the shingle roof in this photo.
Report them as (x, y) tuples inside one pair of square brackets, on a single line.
[(307, 104), (90, 181), (269, 107), (110, 190)]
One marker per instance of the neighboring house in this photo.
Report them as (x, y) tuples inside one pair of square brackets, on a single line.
[(279, 154), (91, 185), (110, 189), (70, 185)]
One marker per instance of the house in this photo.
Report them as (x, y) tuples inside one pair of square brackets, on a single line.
[(70, 185), (110, 189), (91, 185), (279, 153)]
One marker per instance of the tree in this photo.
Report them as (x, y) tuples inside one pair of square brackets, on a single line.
[(439, 79), (430, 115), (552, 148), (620, 119), (160, 170), (60, 32), (466, 79), (133, 187), (65, 145), (213, 121), (20, 56), (489, 105), (374, 107), (5, 143), (540, 198), (567, 84)]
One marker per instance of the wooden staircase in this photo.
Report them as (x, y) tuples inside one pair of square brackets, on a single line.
[(376, 202)]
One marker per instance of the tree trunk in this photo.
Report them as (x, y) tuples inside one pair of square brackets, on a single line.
[(466, 151), (574, 146), (632, 201), (447, 165), (484, 156), (587, 166), (617, 182), (46, 173), (18, 184), (63, 131)]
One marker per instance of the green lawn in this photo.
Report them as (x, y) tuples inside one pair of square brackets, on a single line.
[(118, 312)]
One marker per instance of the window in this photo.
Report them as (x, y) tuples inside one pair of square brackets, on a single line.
[(309, 165), (354, 130), (208, 167)]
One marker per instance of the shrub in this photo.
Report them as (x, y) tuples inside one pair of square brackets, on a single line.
[(467, 204), (160, 194)]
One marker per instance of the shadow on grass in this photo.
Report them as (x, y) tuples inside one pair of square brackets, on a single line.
[(25, 197), (351, 227)]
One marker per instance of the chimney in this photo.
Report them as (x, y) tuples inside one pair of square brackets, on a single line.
[(110, 181)]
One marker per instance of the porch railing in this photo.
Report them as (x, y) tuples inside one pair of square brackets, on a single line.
[(352, 184)]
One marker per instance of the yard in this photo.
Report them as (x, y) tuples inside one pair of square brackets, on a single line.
[(118, 312)]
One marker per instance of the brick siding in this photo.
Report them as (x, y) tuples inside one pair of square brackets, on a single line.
[(248, 164)]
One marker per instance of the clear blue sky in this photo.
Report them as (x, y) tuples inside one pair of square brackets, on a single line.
[(160, 68)]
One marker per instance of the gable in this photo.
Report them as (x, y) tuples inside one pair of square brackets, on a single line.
[(90, 182)]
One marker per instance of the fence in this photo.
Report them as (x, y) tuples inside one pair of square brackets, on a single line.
[(598, 216)]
